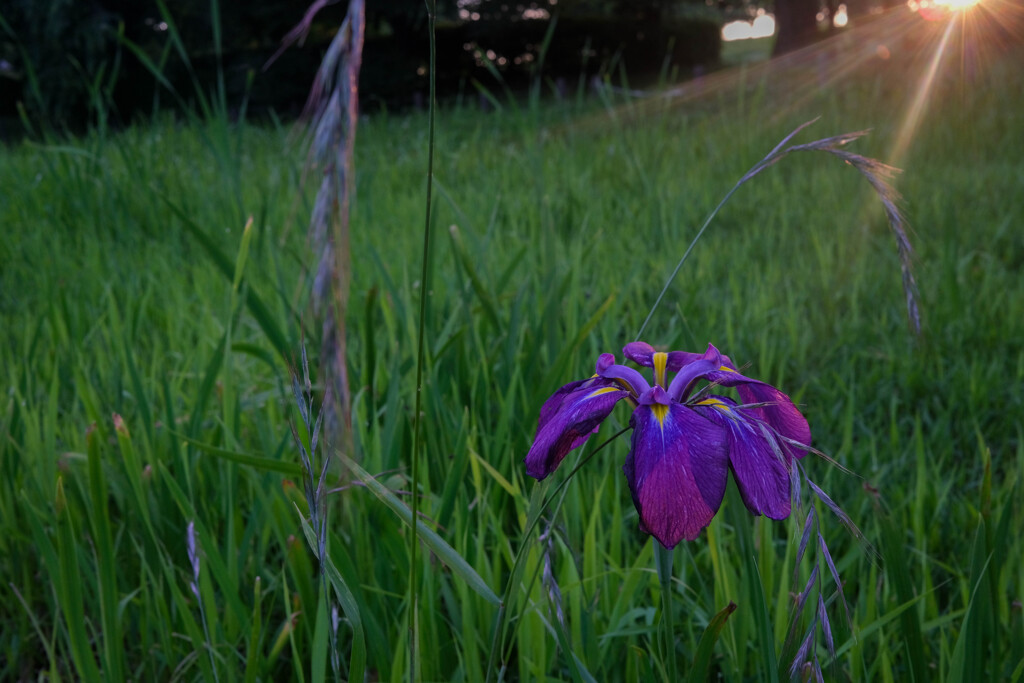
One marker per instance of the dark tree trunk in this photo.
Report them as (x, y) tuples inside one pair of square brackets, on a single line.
[(858, 8), (796, 24)]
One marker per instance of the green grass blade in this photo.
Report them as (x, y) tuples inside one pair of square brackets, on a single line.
[(577, 669), (1018, 673), (666, 627), (896, 566), (253, 302), (558, 367), (466, 261), (70, 589), (128, 357), (321, 645), (971, 658), (701, 664), (243, 255), (289, 469), (148, 63), (206, 387), (113, 649), (349, 604), (498, 635), (193, 629), (134, 473), (766, 636), (254, 652), (870, 628), (753, 587), (447, 554)]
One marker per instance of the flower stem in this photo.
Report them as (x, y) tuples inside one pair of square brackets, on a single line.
[(663, 562)]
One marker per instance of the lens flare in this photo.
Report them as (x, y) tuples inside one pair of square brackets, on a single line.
[(917, 107), (934, 10)]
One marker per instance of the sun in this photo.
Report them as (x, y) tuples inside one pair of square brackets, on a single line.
[(938, 9)]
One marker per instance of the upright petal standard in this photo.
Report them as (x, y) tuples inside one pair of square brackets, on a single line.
[(684, 440)]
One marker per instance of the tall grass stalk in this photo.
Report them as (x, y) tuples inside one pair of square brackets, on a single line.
[(414, 571)]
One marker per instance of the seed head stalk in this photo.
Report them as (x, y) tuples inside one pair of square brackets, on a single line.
[(877, 174), (333, 109), (333, 112)]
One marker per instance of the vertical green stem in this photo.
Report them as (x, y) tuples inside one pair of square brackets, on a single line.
[(663, 561), (417, 415), (686, 254)]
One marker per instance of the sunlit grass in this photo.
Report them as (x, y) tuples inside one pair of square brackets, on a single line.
[(566, 214)]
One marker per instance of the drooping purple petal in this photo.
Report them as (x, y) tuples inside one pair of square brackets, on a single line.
[(555, 401), (780, 413), (676, 469), (778, 410), (567, 420), (717, 369), (642, 353), (756, 458)]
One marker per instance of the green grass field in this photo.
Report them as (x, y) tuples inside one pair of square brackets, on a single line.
[(147, 388)]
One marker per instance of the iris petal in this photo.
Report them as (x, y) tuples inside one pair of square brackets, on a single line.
[(756, 458), (642, 353), (684, 381), (607, 368), (780, 413), (555, 401), (568, 419), (778, 410), (676, 469)]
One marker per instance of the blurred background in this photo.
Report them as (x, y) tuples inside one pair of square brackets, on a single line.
[(63, 61)]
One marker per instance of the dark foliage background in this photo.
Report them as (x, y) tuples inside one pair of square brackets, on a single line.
[(66, 61)]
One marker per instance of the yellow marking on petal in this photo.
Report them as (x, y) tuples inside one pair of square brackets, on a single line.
[(660, 364), (711, 402), (602, 390), (660, 411), (718, 405), (623, 384), (726, 369)]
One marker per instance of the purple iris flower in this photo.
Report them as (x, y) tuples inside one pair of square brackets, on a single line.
[(684, 440)]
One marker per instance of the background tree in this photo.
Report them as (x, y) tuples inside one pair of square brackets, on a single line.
[(796, 24)]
